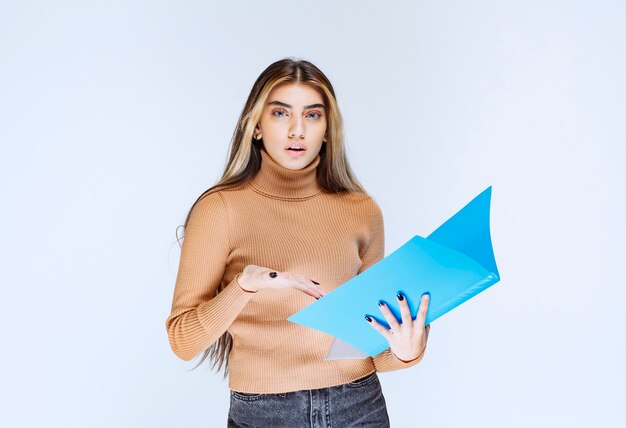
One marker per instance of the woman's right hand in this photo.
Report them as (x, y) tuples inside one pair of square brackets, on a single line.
[(254, 277)]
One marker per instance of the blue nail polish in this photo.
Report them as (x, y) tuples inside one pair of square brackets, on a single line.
[(381, 303), (400, 296), (368, 318)]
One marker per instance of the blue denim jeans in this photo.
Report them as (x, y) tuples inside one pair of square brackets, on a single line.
[(359, 403)]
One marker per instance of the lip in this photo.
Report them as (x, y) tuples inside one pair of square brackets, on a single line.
[(295, 154), (299, 144)]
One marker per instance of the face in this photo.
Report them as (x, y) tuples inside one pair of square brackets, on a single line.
[(294, 115)]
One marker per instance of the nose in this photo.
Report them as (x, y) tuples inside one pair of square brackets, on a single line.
[(293, 134), (297, 129)]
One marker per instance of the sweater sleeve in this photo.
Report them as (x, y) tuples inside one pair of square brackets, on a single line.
[(198, 316), (386, 360)]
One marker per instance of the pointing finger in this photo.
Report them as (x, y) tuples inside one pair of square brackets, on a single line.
[(379, 328), (389, 316), (404, 309)]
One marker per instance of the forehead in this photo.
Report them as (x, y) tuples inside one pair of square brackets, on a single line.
[(296, 94)]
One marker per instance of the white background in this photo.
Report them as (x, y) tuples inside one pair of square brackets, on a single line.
[(115, 116)]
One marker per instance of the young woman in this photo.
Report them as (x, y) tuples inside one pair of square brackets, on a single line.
[(287, 223)]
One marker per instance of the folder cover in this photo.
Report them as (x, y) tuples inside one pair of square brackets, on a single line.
[(454, 263)]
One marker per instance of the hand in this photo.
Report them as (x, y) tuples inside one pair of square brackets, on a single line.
[(407, 340), (254, 277)]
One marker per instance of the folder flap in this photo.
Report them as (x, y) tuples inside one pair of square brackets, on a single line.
[(468, 232)]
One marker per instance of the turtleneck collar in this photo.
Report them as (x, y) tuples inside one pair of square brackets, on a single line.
[(274, 180)]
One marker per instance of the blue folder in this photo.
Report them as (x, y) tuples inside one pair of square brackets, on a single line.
[(453, 264)]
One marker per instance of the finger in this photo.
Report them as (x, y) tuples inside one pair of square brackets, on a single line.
[(378, 327), (421, 312), (405, 311), (300, 282), (389, 316), (309, 282), (308, 288), (295, 280), (314, 283), (317, 284)]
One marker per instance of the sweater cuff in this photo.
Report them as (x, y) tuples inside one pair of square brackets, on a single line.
[(225, 306), (387, 361)]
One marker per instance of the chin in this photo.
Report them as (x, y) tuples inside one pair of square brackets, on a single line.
[(297, 163)]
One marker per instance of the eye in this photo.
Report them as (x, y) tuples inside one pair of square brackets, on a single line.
[(316, 113), (278, 111)]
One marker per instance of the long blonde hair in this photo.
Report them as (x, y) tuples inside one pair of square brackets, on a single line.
[(244, 160)]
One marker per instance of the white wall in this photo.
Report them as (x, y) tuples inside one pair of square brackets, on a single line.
[(114, 116)]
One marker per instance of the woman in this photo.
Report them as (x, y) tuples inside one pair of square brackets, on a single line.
[(287, 223)]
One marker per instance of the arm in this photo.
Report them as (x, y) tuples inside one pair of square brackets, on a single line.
[(198, 317), (375, 251)]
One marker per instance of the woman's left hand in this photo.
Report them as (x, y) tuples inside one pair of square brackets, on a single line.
[(408, 339)]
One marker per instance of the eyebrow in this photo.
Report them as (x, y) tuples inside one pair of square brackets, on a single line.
[(279, 103)]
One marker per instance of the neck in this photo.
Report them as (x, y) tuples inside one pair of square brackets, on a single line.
[(274, 180)]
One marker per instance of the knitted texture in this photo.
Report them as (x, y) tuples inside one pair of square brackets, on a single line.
[(283, 220)]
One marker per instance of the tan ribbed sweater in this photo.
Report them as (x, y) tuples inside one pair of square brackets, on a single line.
[(283, 220)]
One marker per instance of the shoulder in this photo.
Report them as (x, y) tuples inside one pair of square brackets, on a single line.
[(224, 196), (366, 204), (373, 207), (360, 205), (207, 223), (209, 207)]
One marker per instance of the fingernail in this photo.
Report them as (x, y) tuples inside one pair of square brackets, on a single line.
[(400, 296), (427, 295), (368, 318), (316, 297), (381, 303), (315, 282)]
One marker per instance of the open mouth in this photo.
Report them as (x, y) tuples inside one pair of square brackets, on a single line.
[(296, 151)]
